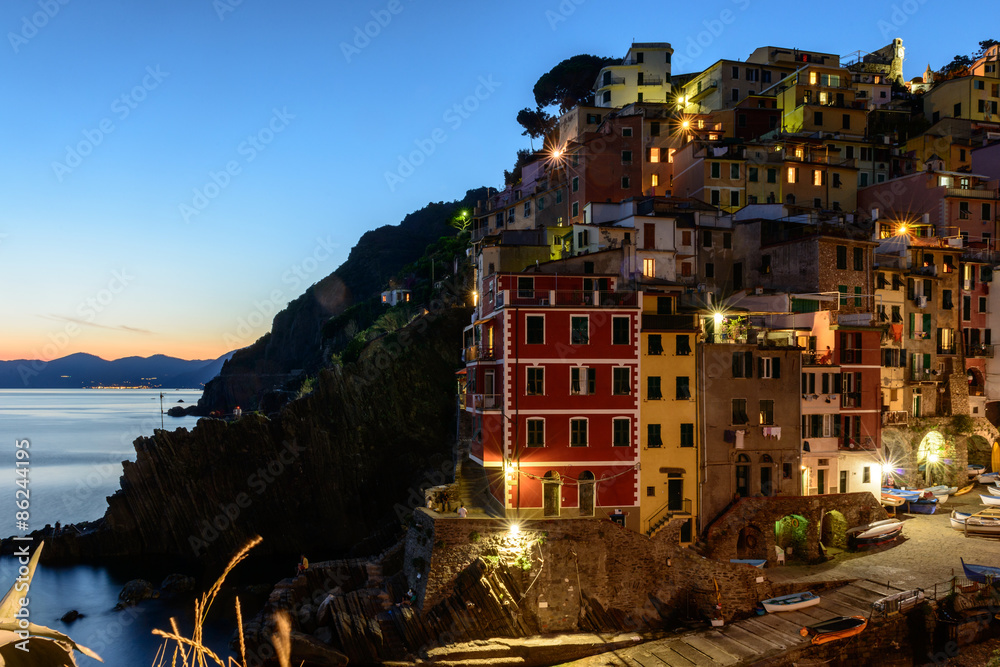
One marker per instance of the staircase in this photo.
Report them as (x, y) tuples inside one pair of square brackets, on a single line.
[(474, 489)]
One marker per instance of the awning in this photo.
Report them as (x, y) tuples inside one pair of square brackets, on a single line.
[(461, 372)]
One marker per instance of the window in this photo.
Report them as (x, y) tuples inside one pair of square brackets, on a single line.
[(620, 331), (842, 257), (769, 367), (982, 304), (716, 170), (579, 330), (709, 270), (715, 198), (946, 302), (957, 110), (650, 490), (559, 196), (740, 411), (582, 380), (576, 183), (752, 174), (741, 120), (734, 170), (793, 174), (767, 412), (653, 392), (654, 154), (683, 388), (664, 305), (536, 433), (734, 197), (727, 240), (687, 435), (625, 182), (736, 73), (622, 383), (866, 475), (626, 157), (536, 381), (743, 364), (736, 94), (653, 435), (626, 131), (845, 121), (706, 238), (818, 118), (859, 259), (683, 345), (963, 210), (525, 288), (857, 297), (527, 208), (985, 213), (577, 432), (535, 329), (622, 436), (772, 175), (843, 294), (654, 345), (654, 180), (649, 267), (654, 129)]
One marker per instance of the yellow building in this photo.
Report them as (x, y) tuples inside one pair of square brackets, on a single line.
[(668, 416), (971, 97)]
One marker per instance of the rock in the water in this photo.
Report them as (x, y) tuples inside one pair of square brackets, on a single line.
[(181, 400), (135, 592), (176, 584), (71, 616)]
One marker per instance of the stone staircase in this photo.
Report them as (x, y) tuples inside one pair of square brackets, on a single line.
[(474, 490)]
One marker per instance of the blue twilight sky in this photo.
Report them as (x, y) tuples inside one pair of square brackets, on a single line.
[(169, 169)]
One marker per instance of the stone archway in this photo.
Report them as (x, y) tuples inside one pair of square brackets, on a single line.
[(979, 450), (750, 543), (792, 531), (833, 532)]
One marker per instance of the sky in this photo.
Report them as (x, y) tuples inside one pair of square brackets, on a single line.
[(173, 172)]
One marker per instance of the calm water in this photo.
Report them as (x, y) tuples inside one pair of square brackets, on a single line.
[(78, 439)]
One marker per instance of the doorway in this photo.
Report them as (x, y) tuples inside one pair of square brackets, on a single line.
[(550, 494), (587, 493)]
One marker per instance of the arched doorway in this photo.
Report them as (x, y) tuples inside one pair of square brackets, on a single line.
[(750, 543), (979, 451), (791, 534), (929, 453), (551, 486), (833, 532), (977, 383), (586, 484), (743, 475), (766, 475)]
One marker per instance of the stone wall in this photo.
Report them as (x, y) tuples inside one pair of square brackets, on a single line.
[(582, 574), (747, 529)]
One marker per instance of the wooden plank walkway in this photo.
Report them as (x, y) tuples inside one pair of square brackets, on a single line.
[(749, 640)]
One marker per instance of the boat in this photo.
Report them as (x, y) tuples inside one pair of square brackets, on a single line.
[(994, 490), (755, 562), (984, 522), (990, 500), (877, 532), (791, 602), (942, 490), (898, 601), (964, 490), (980, 573), (840, 627), (958, 519), (923, 505), (974, 470), (902, 493), (942, 499), (890, 500), (989, 478)]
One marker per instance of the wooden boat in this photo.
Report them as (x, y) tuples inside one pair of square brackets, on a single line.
[(877, 532), (964, 490), (834, 629), (989, 478), (754, 562), (898, 601), (994, 491), (791, 602), (942, 490), (942, 499), (990, 500), (958, 519), (984, 522), (890, 500), (980, 573), (974, 470), (922, 506), (902, 493)]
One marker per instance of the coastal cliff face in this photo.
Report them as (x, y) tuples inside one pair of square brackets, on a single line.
[(317, 478)]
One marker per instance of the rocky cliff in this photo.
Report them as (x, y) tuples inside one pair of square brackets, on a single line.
[(317, 478), (295, 339)]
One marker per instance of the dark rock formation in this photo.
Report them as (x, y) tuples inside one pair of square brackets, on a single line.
[(135, 592), (71, 616), (323, 474), (177, 584)]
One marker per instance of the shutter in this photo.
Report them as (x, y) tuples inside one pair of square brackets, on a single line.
[(748, 364), (826, 383), (760, 367), (929, 290), (776, 367), (804, 385), (912, 328), (736, 364), (902, 358), (836, 383), (836, 426), (927, 362), (927, 324), (910, 293)]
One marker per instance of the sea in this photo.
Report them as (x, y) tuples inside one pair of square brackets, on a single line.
[(77, 441)]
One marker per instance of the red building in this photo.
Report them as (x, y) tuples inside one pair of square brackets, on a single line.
[(976, 273), (859, 355), (552, 389)]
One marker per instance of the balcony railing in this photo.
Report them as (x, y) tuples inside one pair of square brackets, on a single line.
[(865, 443), (651, 81), (895, 417), (566, 298), (817, 359), (612, 81), (974, 193), (483, 401), (478, 353), (979, 351), (922, 375)]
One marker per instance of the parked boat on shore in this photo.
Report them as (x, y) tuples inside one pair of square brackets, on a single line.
[(994, 490), (834, 629), (791, 602), (984, 522), (877, 532), (965, 489), (922, 505), (989, 478), (974, 470), (889, 500), (898, 601), (980, 573), (990, 500), (758, 563), (958, 519)]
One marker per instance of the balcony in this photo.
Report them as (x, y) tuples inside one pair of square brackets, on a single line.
[(483, 401), (971, 193), (864, 443), (983, 351), (478, 353), (612, 81), (817, 359), (651, 81), (566, 298), (895, 418), (923, 375)]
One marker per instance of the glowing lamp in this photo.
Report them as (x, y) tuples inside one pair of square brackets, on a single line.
[(718, 319), (933, 457), (515, 529)]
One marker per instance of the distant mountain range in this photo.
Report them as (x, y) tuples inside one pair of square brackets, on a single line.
[(86, 370)]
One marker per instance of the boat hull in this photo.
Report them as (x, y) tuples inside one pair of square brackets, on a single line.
[(988, 478), (990, 500), (994, 491), (791, 602), (892, 501), (899, 601), (958, 519), (922, 507), (980, 573), (880, 538), (834, 629), (965, 489)]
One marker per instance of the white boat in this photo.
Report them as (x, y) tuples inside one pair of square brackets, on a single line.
[(791, 602), (942, 490), (958, 519), (989, 478), (942, 499), (993, 490), (977, 525), (990, 500), (899, 601), (974, 470), (874, 533)]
